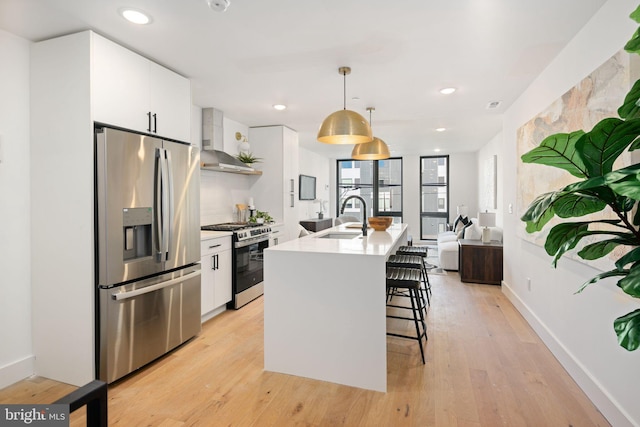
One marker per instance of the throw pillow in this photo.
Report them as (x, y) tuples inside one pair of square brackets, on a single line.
[(463, 232), (473, 233), (460, 223)]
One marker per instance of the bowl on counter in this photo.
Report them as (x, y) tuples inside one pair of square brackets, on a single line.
[(380, 223)]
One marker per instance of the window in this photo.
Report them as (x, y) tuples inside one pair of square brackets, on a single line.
[(378, 182), (434, 196)]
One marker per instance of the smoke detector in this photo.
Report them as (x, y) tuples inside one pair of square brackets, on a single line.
[(493, 105), (218, 5)]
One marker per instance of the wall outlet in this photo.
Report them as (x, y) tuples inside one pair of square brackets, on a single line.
[(528, 283)]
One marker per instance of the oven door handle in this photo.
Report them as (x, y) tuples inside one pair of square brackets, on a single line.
[(126, 295), (244, 243)]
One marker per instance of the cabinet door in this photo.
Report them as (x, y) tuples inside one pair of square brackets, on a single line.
[(222, 279), (207, 284), (290, 159), (290, 168), (135, 93), (169, 102), (119, 85), (277, 235)]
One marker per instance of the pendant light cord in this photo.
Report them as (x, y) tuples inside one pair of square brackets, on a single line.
[(344, 90)]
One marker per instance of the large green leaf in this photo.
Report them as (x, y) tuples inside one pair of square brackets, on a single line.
[(598, 183), (627, 329), (562, 236), (630, 108), (574, 205), (631, 283), (599, 249), (629, 258), (636, 216), (559, 150), (610, 273), (565, 205), (600, 148), (628, 187), (635, 15), (539, 212), (538, 225)]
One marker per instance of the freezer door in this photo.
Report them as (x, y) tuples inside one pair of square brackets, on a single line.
[(147, 205), (127, 234), (140, 322), (183, 218)]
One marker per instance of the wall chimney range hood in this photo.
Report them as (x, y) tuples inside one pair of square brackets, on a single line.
[(212, 156), (221, 161)]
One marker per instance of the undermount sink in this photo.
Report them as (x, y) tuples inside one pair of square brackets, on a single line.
[(338, 235)]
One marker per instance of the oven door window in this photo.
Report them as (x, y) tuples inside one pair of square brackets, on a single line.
[(249, 265)]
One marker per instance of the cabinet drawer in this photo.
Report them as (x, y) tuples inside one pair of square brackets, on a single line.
[(218, 244)]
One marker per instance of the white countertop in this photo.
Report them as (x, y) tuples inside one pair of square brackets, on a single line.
[(375, 243), (206, 235)]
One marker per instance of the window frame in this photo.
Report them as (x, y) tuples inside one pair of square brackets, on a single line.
[(375, 187), (425, 214)]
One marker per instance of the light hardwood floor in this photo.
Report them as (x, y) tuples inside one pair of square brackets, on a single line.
[(485, 367)]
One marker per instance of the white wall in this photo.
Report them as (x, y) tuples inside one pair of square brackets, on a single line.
[(313, 164), (577, 328), (16, 353), (493, 148)]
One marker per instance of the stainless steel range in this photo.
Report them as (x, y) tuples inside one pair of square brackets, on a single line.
[(249, 242)]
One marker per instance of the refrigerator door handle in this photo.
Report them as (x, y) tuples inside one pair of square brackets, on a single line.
[(119, 296), (170, 210), (159, 172), (164, 205)]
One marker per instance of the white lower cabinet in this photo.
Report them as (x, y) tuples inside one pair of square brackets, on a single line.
[(216, 274), (277, 233)]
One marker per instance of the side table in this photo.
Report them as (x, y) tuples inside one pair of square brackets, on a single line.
[(480, 262)]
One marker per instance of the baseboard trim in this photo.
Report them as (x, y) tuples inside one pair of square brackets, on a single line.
[(600, 397), (16, 371)]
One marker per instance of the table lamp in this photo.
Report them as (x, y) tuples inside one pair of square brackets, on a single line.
[(486, 220)]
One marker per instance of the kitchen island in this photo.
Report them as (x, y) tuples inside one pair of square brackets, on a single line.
[(325, 308)]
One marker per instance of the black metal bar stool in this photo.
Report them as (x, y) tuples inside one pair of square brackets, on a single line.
[(411, 261), (420, 251), (409, 279)]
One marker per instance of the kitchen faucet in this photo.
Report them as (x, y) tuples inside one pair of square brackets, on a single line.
[(364, 211)]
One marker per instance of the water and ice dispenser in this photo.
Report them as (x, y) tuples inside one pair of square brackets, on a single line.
[(138, 232)]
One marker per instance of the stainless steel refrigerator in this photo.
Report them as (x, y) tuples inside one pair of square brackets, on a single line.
[(147, 248)]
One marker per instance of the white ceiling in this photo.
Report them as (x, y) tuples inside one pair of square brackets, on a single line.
[(259, 53)]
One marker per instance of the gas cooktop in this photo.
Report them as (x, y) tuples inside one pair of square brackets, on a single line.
[(229, 226), (241, 230)]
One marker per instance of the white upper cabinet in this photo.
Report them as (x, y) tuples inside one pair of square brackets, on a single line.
[(169, 103), (133, 92)]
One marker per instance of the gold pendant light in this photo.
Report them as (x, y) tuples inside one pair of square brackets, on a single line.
[(345, 126), (374, 150)]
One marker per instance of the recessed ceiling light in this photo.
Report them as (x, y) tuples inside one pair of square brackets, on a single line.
[(440, 129), (135, 16), (280, 107), (437, 150), (493, 104), (218, 5), (447, 90)]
